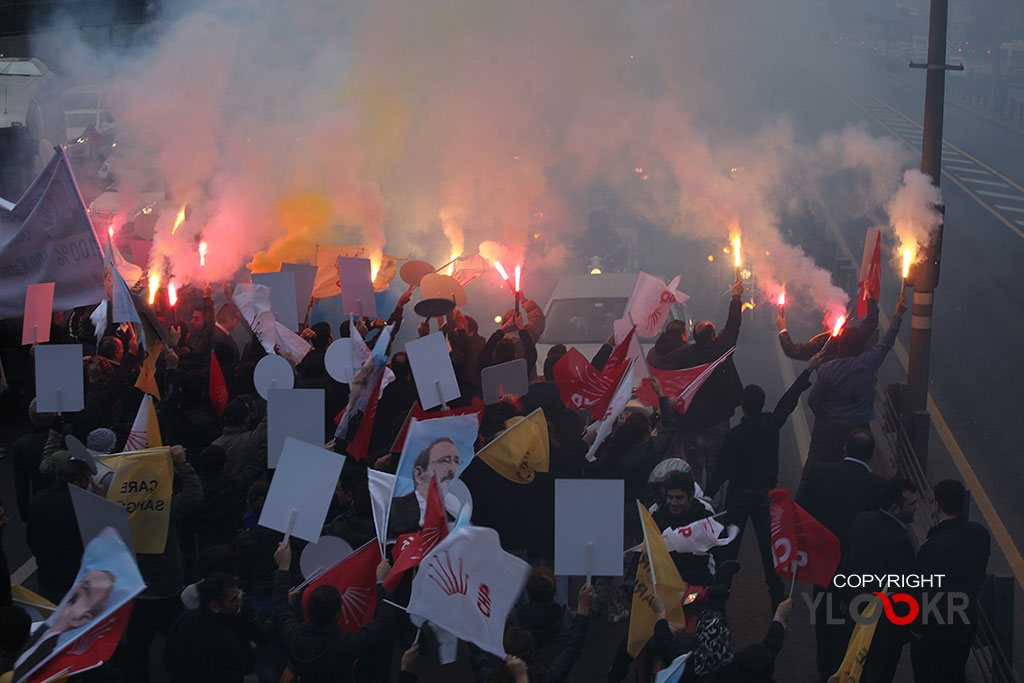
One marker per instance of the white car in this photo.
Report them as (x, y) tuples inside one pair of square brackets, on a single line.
[(583, 308)]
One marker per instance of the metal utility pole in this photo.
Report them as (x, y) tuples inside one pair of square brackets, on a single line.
[(925, 275)]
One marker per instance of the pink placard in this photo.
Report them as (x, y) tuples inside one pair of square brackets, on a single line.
[(38, 310), (357, 296)]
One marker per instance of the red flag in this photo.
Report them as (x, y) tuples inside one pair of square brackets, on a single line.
[(355, 577), (582, 386), (435, 528), (681, 384), (618, 356), (89, 650), (800, 543), (358, 446), (218, 387), (476, 407), (870, 271)]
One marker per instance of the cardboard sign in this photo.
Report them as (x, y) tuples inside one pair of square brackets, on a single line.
[(94, 514), (588, 527), (272, 372), (282, 297), (59, 378), (357, 297), (342, 361), (301, 490), (305, 277), (504, 378), (432, 370), (297, 413), (38, 311)]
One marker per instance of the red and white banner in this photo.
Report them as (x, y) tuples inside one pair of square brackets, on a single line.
[(649, 305), (467, 585), (681, 384), (616, 404), (89, 650), (582, 386), (410, 551), (355, 577), (699, 537)]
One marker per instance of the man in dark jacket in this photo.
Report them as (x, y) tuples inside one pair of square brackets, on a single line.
[(750, 463), (52, 532), (318, 650), (682, 508), (854, 337), (958, 549), (706, 421), (834, 494), (548, 621), (28, 452), (878, 545), (843, 397), (211, 644), (222, 343), (664, 355)]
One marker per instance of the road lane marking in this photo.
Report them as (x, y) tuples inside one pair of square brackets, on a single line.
[(989, 193), (979, 181), (24, 571), (1010, 208)]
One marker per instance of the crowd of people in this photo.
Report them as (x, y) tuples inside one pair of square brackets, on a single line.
[(222, 594)]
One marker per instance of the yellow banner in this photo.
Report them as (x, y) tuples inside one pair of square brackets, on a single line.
[(521, 450), (143, 483), (852, 668), (665, 581)]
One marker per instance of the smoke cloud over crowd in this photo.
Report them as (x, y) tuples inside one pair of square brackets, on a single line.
[(426, 129)]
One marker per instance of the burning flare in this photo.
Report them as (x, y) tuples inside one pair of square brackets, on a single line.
[(781, 300), (375, 261), (737, 258), (838, 327), (172, 294), (154, 285), (501, 270), (748, 305), (179, 220), (908, 256), (518, 275), (202, 253)]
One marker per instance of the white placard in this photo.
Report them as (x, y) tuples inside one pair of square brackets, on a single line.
[(305, 278), (357, 296), (318, 557), (339, 360), (282, 297), (59, 378), (272, 372), (504, 378), (94, 514), (432, 370), (297, 413), (301, 491), (588, 511)]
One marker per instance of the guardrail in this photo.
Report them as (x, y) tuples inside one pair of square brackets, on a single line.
[(989, 658)]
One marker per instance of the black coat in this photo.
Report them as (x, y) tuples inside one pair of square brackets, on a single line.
[(717, 399), (750, 453), (878, 544), (52, 534), (835, 493), (959, 549), (226, 350), (203, 647)]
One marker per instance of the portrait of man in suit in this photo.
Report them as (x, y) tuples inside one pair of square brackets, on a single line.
[(440, 459), (87, 600)]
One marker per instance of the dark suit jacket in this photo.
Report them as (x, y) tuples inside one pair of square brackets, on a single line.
[(405, 515), (835, 493), (959, 549), (877, 544), (226, 349), (37, 656)]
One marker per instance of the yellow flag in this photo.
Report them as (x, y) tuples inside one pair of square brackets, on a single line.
[(521, 450), (852, 668), (143, 483), (656, 572), (145, 432), (147, 369), (29, 601)]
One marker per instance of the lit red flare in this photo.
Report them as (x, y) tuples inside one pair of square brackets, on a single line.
[(838, 327), (518, 276), (178, 220), (154, 285), (907, 258), (781, 300), (172, 294), (501, 270), (737, 258), (202, 253)]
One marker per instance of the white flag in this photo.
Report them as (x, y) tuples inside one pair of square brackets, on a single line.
[(138, 436), (674, 672), (615, 407), (698, 537), (650, 302), (467, 585), (380, 484)]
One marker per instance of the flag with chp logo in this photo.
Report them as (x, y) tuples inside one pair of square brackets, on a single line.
[(584, 387), (467, 585), (355, 577), (699, 537), (412, 548), (650, 302), (800, 543)]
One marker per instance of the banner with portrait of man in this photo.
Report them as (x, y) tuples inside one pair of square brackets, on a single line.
[(441, 448), (107, 579)]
